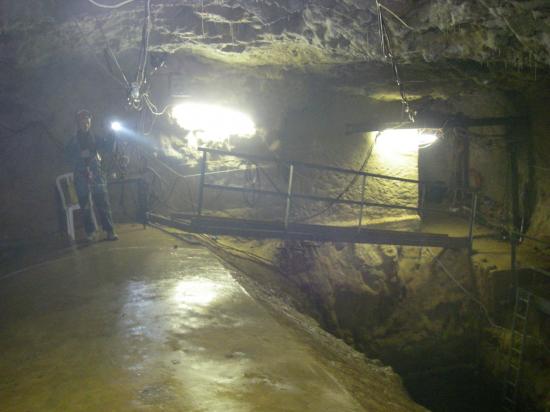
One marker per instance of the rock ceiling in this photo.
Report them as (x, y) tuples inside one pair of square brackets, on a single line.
[(297, 32), (510, 36)]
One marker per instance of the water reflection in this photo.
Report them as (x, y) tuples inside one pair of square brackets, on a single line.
[(196, 291)]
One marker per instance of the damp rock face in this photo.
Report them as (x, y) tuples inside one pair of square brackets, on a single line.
[(394, 303), (303, 33), (304, 70), (403, 305)]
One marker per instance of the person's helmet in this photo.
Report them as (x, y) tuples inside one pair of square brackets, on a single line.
[(83, 114)]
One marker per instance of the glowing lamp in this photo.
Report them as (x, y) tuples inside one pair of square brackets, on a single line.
[(397, 145), (213, 123), (405, 140), (116, 126)]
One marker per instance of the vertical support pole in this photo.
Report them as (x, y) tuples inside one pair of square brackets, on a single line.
[(466, 164), (423, 188), (289, 194), (472, 224), (143, 190), (530, 189), (514, 260), (514, 193), (475, 290), (201, 183), (364, 182)]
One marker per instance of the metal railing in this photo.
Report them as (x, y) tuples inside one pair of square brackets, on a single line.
[(289, 195)]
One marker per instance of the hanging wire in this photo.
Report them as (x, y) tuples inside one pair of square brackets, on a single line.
[(153, 108), (466, 291), (386, 48), (483, 308), (399, 19), (96, 59), (109, 53), (346, 189), (111, 6), (145, 35), (252, 181)]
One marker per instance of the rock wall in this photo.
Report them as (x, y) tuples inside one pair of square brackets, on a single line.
[(540, 129), (37, 120), (394, 303), (404, 306), (298, 116), (399, 304), (389, 159)]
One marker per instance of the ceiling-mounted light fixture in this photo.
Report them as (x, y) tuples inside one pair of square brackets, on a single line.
[(408, 139), (395, 142), (213, 123)]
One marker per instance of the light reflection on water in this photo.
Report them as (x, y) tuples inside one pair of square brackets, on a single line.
[(196, 291)]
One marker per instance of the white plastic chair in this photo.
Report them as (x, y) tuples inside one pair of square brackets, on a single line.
[(69, 201)]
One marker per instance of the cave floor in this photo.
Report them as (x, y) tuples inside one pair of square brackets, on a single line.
[(151, 323)]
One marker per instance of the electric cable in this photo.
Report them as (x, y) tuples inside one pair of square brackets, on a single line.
[(387, 52), (111, 6), (110, 54), (43, 127), (138, 96), (510, 229), (151, 127), (495, 11), (156, 176), (145, 36), (85, 38), (251, 181), (153, 108), (399, 19), (269, 179), (480, 304), (346, 189), (196, 174), (466, 291), (184, 178)]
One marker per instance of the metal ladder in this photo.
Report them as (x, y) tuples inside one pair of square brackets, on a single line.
[(515, 353)]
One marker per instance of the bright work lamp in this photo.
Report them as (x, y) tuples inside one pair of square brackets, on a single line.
[(213, 123)]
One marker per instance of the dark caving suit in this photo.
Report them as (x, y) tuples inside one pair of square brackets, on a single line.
[(85, 152)]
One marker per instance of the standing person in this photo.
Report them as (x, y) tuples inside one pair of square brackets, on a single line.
[(84, 152)]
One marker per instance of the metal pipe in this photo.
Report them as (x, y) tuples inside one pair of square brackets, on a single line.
[(362, 202), (201, 183), (513, 132), (289, 194), (306, 165), (325, 199), (514, 260), (423, 189), (472, 223)]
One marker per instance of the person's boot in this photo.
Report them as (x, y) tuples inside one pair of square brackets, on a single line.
[(112, 236), (90, 237)]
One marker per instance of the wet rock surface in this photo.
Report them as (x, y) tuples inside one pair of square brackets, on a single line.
[(284, 60), (302, 33), (143, 325), (399, 304)]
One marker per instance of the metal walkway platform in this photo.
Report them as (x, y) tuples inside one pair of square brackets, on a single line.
[(297, 231), (282, 227)]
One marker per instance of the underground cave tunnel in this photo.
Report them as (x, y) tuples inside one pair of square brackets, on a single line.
[(274, 205)]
